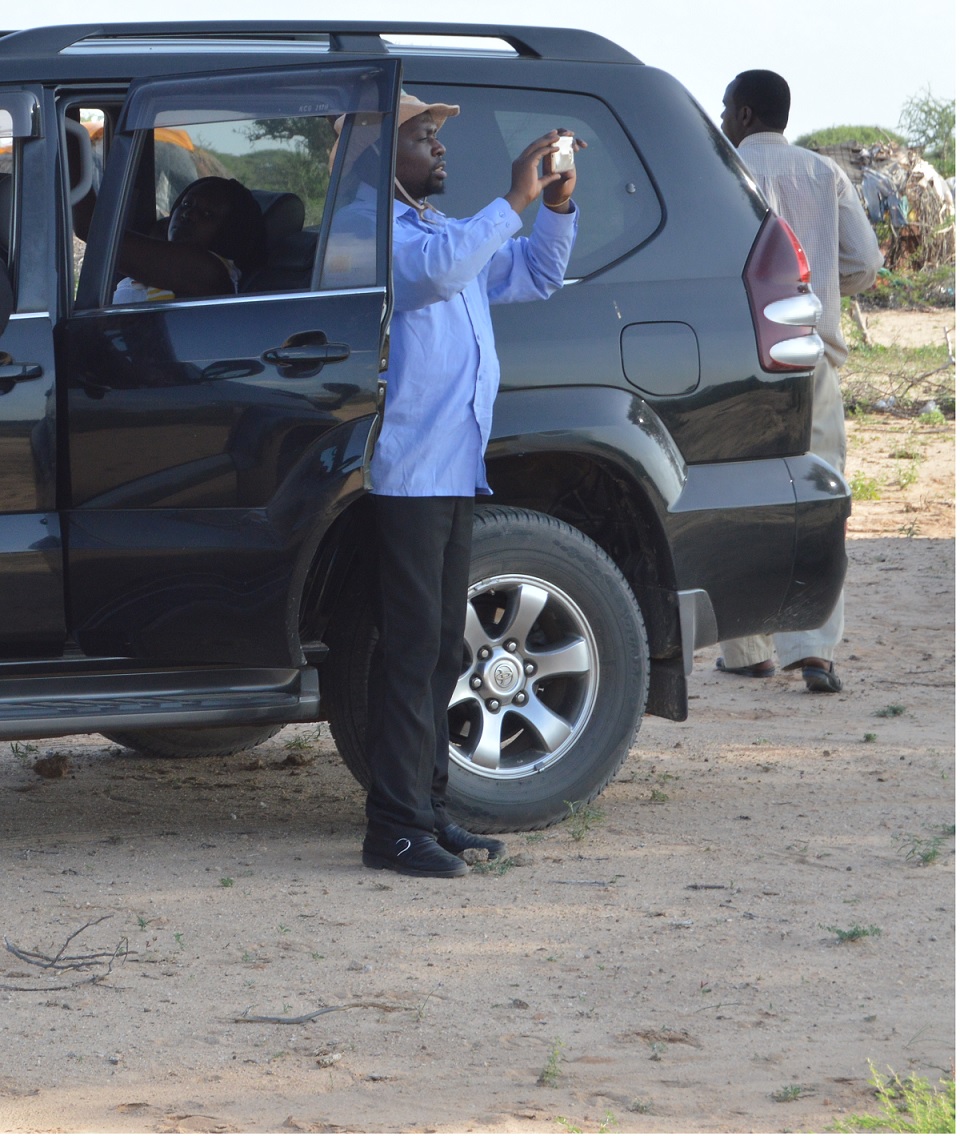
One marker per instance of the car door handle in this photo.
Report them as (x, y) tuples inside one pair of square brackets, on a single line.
[(307, 353), (11, 372), (303, 355)]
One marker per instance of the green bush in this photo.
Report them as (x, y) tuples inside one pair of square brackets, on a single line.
[(840, 135), (913, 1105), (925, 288)]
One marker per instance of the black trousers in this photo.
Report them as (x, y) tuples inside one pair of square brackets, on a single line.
[(423, 552)]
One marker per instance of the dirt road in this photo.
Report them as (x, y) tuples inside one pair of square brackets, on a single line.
[(761, 903)]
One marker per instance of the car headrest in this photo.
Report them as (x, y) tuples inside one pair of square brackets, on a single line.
[(283, 213), (289, 266)]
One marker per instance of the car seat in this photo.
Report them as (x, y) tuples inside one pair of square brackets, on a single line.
[(290, 248)]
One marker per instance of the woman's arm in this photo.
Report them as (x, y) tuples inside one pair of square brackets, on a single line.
[(183, 269)]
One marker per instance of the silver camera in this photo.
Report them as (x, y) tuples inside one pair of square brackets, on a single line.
[(563, 159)]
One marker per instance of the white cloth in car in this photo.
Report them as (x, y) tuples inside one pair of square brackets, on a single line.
[(130, 291)]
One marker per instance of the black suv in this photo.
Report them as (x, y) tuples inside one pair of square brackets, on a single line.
[(183, 549)]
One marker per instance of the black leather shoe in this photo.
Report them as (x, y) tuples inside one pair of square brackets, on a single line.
[(411, 856), (456, 839)]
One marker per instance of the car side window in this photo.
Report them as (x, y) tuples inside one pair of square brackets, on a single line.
[(281, 166), (620, 207), (84, 140), (253, 178)]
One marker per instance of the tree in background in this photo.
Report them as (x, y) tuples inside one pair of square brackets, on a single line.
[(298, 165), (930, 127), (842, 135)]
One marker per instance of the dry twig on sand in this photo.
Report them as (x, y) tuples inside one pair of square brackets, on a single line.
[(297, 1021), (385, 1007), (61, 962)]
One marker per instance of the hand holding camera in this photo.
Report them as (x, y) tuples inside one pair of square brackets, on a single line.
[(546, 167), (562, 159)]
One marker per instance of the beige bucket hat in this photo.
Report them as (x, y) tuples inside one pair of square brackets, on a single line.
[(408, 107)]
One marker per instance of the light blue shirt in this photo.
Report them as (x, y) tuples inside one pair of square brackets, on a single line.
[(443, 373)]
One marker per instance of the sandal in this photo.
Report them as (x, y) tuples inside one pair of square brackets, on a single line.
[(766, 669), (820, 681)]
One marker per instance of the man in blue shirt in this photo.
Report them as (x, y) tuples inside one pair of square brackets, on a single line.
[(428, 466)]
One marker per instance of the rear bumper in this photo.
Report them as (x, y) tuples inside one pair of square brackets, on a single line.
[(758, 548)]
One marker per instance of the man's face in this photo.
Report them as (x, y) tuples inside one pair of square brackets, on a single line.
[(420, 165), (729, 122)]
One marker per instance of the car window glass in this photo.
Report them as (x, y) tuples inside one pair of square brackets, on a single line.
[(350, 255), (283, 162), (277, 140), (95, 122), (620, 208)]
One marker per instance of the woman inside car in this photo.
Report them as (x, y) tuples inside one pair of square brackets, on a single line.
[(214, 234)]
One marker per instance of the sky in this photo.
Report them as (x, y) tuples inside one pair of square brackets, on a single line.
[(846, 63)]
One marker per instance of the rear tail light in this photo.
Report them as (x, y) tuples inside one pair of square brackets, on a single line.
[(785, 311)]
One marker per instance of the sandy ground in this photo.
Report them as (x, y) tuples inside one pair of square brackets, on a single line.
[(911, 329), (759, 905)]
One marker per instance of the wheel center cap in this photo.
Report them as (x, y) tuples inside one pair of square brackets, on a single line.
[(504, 676)]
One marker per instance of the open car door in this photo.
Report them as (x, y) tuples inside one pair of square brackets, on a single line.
[(213, 439)]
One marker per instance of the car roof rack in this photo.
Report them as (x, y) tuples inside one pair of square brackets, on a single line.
[(366, 37)]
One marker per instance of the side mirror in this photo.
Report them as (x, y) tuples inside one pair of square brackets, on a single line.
[(6, 297)]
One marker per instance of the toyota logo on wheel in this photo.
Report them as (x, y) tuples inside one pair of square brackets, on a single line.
[(503, 675)]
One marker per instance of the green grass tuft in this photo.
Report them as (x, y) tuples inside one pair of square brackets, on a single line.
[(913, 1105)]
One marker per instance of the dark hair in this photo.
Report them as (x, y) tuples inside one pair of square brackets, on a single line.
[(242, 236), (767, 94)]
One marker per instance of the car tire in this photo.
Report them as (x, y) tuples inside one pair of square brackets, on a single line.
[(555, 678), (206, 741)]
